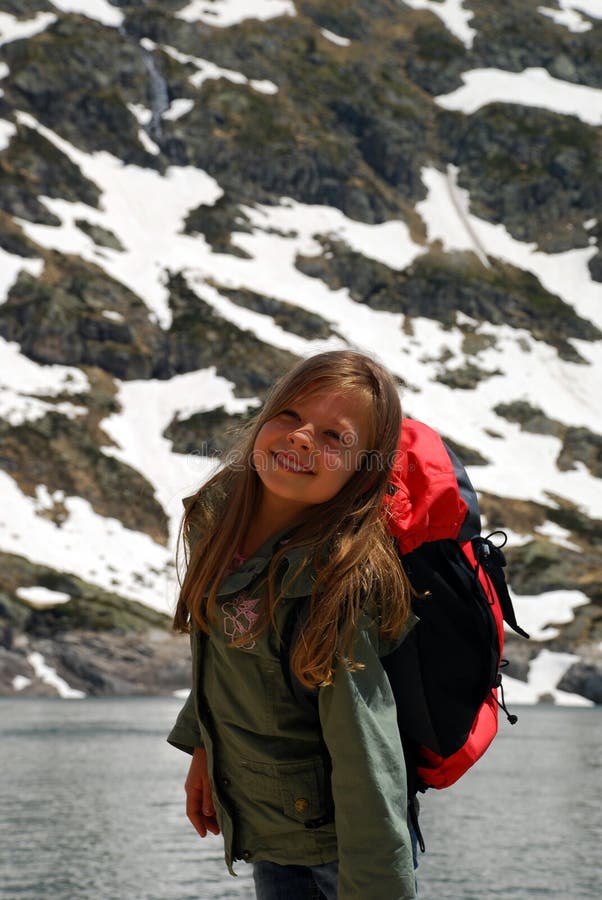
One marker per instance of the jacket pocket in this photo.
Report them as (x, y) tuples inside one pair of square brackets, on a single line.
[(300, 788)]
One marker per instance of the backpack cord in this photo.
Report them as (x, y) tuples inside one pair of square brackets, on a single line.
[(498, 683), (493, 534)]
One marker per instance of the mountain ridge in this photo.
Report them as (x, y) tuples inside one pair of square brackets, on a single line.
[(189, 202)]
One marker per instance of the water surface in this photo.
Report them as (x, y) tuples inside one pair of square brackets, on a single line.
[(92, 809)]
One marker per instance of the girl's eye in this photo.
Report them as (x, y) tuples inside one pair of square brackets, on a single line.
[(289, 414), (333, 434)]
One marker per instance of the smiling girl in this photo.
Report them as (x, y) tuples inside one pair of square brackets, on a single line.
[(314, 798)]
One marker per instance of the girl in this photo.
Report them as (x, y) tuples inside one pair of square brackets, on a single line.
[(313, 796)]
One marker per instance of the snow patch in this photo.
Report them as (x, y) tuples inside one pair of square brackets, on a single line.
[(538, 614), (100, 10), (113, 315), (532, 87), (446, 210), (141, 113), (452, 14), (16, 409), (207, 70), (530, 367), (21, 379), (20, 682), (42, 597), (545, 672), (147, 142), (13, 29), (144, 209), (558, 535), (98, 549), (337, 39), (568, 14), (389, 242), (223, 13), (47, 500), (20, 373), (262, 326), (146, 409), (7, 133), (178, 108), (49, 676), (564, 274)]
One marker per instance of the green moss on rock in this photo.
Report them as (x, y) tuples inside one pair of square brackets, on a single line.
[(514, 36), (532, 170), (77, 77), (90, 607), (14, 241), (26, 9), (33, 166)]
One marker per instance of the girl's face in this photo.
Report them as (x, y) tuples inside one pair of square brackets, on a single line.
[(308, 452)]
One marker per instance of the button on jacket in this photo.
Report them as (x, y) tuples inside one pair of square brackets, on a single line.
[(290, 784)]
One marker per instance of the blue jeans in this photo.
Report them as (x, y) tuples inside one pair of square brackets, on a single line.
[(275, 882)]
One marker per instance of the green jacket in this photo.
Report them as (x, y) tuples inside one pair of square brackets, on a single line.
[(293, 785)]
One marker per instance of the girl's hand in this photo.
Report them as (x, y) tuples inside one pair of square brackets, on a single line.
[(199, 799)]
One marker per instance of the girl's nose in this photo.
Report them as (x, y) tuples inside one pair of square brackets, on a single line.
[(301, 437)]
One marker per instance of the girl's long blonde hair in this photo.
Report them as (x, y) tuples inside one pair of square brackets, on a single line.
[(346, 539)]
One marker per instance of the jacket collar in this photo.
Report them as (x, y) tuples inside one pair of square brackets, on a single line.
[(297, 572)]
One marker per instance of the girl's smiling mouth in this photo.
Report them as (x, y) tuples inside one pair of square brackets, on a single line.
[(290, 464)]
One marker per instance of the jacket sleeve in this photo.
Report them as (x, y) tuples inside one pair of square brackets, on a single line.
[(359, 725), (186, 734)]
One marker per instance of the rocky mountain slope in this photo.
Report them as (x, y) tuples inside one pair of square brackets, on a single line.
[(195, 194)]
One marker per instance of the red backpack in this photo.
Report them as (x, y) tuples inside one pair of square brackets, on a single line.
[(446, 674)]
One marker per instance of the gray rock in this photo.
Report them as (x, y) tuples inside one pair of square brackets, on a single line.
[(101, 236), (578, 444), (59, 318), (199, 338), (532, 170), (107, 664), (439, 285), (217, 223), (207, 433), (585, 679), (289, 317)]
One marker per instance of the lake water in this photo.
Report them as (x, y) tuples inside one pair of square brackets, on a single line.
[(92, 809)]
